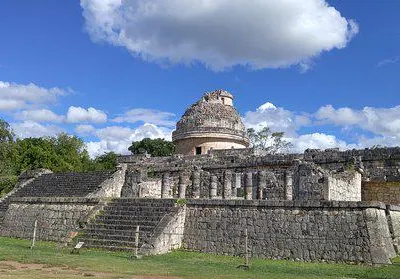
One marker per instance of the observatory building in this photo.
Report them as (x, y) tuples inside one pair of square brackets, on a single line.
[(210, 123)]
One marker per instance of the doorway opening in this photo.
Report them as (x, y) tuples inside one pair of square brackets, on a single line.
[(198, 150)]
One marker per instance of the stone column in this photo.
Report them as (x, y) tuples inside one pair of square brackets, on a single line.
[(248, 186), (261, 184), (227, 192), (183, 181), (237, 184), (288, 185), (213, 187), (165, 186), (196, 184)]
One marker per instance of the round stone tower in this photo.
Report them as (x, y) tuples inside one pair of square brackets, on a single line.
[(210, 123)]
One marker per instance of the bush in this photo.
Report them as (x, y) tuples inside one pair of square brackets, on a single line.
[(7, 183)]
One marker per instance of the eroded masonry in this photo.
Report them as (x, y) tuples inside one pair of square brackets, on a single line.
[(320, 205)]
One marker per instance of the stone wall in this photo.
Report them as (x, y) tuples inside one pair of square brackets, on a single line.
[(387, 192), (393, 215), (379, 164), (339, 172), (56, 217), (332, 231), (112, 186), (344, 186), (24, 179), (207, 143), (168, 235)]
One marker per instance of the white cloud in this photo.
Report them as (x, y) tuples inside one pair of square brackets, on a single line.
[(380, 121), (383, 123), (32, 129), (78, 114), (148, 116), (317, 141), (40, 115), (15, 96), (223, 33), (276, 118), (84, 129), (118, 139)]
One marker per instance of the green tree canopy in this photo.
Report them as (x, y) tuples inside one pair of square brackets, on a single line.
[(154, 147), (59, 154), (7, 149), (106, 161), (271, 142), (6, 134)]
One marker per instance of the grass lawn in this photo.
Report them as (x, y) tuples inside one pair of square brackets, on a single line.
[(46, 260)]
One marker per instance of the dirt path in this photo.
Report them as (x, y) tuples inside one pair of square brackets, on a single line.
[(14, 270)]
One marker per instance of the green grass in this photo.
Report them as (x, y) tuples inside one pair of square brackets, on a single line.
[(178, 263)]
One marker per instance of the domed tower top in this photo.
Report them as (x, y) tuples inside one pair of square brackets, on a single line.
[(210, 123), (219, 96)]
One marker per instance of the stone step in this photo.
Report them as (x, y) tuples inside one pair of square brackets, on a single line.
[(115, 216), (145, 221), (119, 227), (133, 215), (64, 184), (144, 201), (105, 233), (136, 208)]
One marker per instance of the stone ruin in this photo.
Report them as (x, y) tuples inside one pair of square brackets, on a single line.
[(340, 206)]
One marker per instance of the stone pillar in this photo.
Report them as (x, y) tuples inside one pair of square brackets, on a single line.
[(196, 184), (227, 192), (248, 186), (165, 186), (237, 184), (213, 187), (261, 184), (288, 186), (183, 181)]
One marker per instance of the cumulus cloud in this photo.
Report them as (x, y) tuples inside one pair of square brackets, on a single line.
[(78, 114), (15, 96), (84, 129), (39, 115), (118, 139), (221, 34), (276, 118), (317, 141), (378, 126), (380, 121), (147, 116), (28, 129)]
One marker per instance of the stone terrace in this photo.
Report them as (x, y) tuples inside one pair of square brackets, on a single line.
[(64, 184)]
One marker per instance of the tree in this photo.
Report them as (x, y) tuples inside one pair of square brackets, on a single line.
[(6, 134), (8, 171), (7, 149), (107, 161), (265, 139), (154, 147), (72, 152)]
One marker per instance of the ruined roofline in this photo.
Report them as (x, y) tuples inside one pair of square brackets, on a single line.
[(315, 155)]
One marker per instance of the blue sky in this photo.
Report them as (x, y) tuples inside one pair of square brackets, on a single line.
[(111, 71)]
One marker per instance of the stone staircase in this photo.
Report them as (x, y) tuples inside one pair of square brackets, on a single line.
[(70, 184), (115, 228)]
